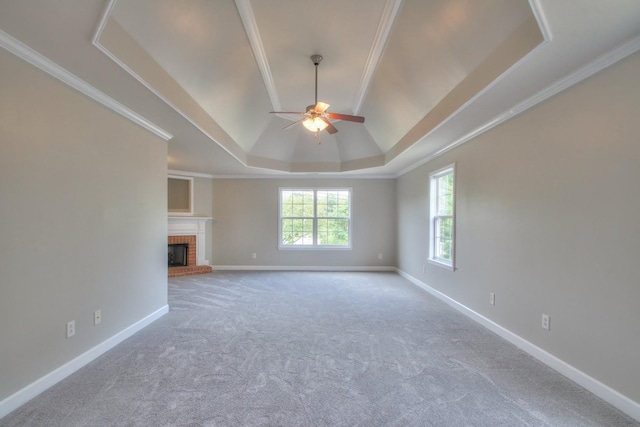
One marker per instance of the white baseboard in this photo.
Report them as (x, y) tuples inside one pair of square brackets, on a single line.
[(606, 393), (21, 397), (303, 268)]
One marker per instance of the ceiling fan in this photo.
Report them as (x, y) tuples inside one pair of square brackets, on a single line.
[(316, 118)]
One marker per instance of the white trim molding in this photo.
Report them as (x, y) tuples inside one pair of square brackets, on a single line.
[(21, 397), (601, 390), (192, 226), (383, 32), (183, 212), (599, 64), (37, 60), (389, 15), (302, 268), (253, 34), (191, 174)]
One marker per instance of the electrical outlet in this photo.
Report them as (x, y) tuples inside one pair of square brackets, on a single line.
[(546, 322), (380, 256), (254, 255), (71, 328), (492, 298), (97, 317)]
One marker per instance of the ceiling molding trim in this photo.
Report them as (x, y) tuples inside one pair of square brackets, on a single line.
[(432, 122), (595, 66), (39, 61), (187, 173), (628, 48), (540, 16), (251, 29), (391, 9), (306, 175), (104, 19)]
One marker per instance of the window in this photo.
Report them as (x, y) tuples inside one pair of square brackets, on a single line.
[(442, 224), (315, 218)]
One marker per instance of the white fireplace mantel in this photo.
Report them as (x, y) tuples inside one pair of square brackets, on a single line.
[(191, 226)]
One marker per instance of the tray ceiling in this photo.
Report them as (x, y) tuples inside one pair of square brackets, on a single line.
[(226, 65), (427, 75)]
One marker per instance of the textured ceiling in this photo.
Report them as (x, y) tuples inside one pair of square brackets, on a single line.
[(427, 75)]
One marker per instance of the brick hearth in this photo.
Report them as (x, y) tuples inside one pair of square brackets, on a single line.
[(189, 271)]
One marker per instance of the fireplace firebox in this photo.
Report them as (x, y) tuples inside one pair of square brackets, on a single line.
[(178, 254)]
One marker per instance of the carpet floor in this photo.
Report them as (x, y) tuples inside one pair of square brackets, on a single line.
[(313, 349)]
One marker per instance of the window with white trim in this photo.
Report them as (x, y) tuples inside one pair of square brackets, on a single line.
[(442, 213), (314, 218)]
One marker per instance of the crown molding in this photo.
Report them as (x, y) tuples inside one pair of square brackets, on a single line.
[(391, 9), (305, 175), (189, 174), (202, 125), (380, 40), (541, 18), (102, 23), (39, 61), (595, 66), (251, 28)]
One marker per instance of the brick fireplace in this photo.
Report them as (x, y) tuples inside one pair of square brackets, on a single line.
[(189, 230), (191, 252)]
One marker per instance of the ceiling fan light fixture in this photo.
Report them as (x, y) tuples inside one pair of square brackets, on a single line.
[(317, 117), (314, 124)]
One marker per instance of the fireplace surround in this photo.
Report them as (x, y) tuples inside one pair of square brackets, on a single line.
[(190, 231)]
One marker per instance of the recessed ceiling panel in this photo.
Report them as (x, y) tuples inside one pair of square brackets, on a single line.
[(434, 46), (203, 46), (341, 31)]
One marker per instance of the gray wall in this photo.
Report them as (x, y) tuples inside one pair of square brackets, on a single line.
[(246, 221), (548, 218), (83, 220)]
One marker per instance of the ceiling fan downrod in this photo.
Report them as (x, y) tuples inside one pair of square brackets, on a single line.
[(315, 117), (316, 61)]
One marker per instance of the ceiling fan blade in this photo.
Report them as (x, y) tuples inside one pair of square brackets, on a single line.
[(321, 107), (287, 127), (287, 112), (330, 128), (346, 117)]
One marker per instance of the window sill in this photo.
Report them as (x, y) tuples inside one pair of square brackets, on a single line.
[(442, 264)]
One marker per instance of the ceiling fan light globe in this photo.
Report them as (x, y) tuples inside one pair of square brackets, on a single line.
[(314, 124)]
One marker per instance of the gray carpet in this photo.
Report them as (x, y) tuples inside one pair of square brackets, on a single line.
[(313, 349)]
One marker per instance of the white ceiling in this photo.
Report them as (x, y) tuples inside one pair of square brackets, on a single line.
[(426, 74)]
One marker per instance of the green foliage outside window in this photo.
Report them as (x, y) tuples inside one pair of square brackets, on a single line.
[(315, 217)]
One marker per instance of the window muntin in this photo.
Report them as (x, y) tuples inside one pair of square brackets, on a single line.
[(442, 224), (315, 218)]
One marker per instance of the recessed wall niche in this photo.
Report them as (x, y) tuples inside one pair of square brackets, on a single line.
[(180, 195)]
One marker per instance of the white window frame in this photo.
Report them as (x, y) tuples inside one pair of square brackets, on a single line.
[(434, 218), (314, 245)]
